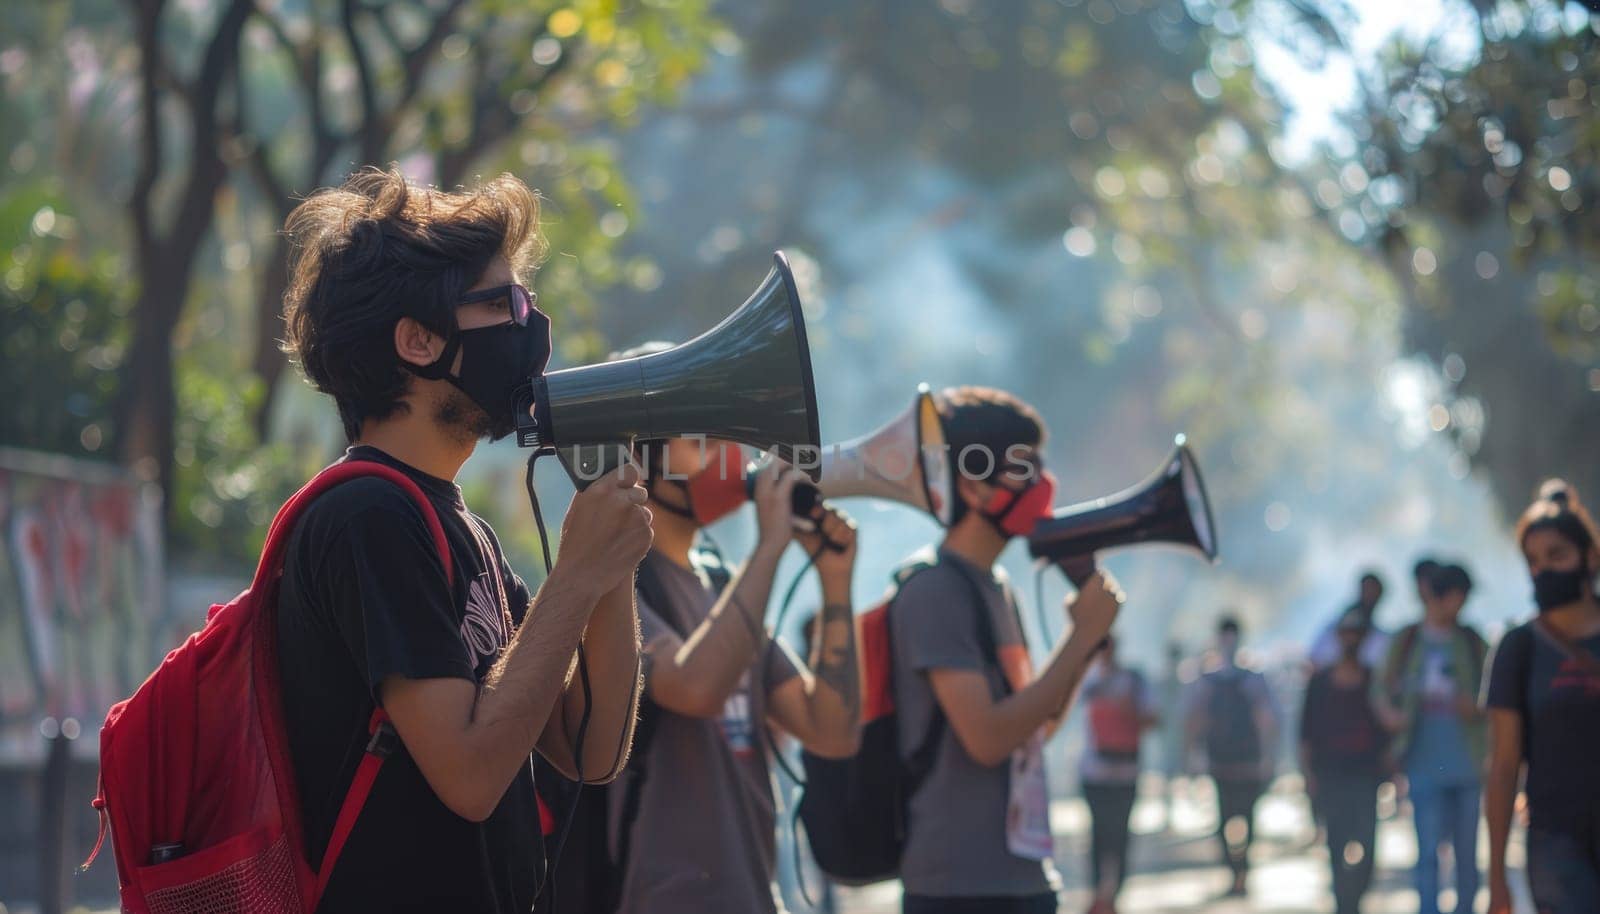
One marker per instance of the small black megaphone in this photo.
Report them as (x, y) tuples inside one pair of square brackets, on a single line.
[(748, 379), (1168, 507)]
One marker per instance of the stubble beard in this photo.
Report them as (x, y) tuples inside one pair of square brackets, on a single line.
[(464, 421)]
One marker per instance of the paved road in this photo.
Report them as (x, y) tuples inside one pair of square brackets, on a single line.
[(1176, 865), (1177, 868)]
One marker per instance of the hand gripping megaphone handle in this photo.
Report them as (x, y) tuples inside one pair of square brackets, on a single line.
[(586, 463), (1078, 568), (804, 500)]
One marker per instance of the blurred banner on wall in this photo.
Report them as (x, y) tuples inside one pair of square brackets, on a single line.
[(83, 618)]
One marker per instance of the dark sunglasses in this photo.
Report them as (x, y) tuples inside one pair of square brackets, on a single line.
[(519, 301)]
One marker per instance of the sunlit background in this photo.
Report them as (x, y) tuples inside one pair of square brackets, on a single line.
[(1340, 245)]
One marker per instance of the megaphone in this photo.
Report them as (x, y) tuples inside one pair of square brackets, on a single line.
[(1170, 506), (748, 379), (904, 461)]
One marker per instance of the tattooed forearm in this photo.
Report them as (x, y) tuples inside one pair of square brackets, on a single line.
[(833, 657)]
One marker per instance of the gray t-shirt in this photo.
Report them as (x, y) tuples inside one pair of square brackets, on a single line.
[(704, 836), (956, 841)]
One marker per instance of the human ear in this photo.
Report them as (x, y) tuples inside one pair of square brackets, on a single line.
[(972, 492), (415, 343)]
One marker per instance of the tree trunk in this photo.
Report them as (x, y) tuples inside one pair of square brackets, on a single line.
[(269, 360), (147, 412)]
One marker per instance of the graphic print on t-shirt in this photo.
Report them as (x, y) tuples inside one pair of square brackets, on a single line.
[(1438, 686), (1574, 674), (485, 623), (737, 727)]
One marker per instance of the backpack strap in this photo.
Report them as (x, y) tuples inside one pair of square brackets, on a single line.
[(272, 554), (922, 759), (1400, 657), (382, 739)]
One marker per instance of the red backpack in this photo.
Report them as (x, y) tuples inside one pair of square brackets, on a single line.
[(195, 775)]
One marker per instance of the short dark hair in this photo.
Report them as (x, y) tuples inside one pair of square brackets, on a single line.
[(1229, 625), (991, 421), (1425, 569), (380, 248), (1372, 576), (1452, 579)]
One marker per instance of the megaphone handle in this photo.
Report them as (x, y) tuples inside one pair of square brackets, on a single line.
[(832, 546), (1078, 569), (586, 463)]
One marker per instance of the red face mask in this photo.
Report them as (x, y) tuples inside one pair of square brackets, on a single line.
[(718, 489), (1017, 513)]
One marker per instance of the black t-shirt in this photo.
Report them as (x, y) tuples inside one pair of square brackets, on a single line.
[(1339, 727), (364, 597), (1560, 703)]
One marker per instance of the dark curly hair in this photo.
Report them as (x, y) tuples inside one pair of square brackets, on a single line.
[(380, 248)]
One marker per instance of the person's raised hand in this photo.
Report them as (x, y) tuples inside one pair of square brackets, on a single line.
[(606, 532), (833, 542), (774, 498), (1094, 607)]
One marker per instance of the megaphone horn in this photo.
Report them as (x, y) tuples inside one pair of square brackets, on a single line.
[(1168, 507), (905, 461), (748, 379)]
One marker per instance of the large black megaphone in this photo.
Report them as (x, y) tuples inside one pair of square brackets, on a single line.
[(748, 379), (1168, 507)]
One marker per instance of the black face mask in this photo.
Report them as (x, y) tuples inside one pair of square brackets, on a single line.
[(1552, 588), (497, 363)]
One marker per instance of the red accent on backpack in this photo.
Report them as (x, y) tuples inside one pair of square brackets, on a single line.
[(877, 688), (199, 756)]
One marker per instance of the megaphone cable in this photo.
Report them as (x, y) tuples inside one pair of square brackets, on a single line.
[(588, 703), (772, 742), (1038, 603)]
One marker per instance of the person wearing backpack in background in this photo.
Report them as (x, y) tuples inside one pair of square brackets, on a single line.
[(1120, 708), (1342, 748), (977, 833), (693, 816), (1543, 699), (1426, 696), (1231, 715), (404, 306)]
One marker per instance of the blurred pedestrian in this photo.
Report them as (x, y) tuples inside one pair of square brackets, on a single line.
[(1425, 694), (1120, 708), (1543, 697), (1327, 649), (1341, 754), (1230, 713)]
